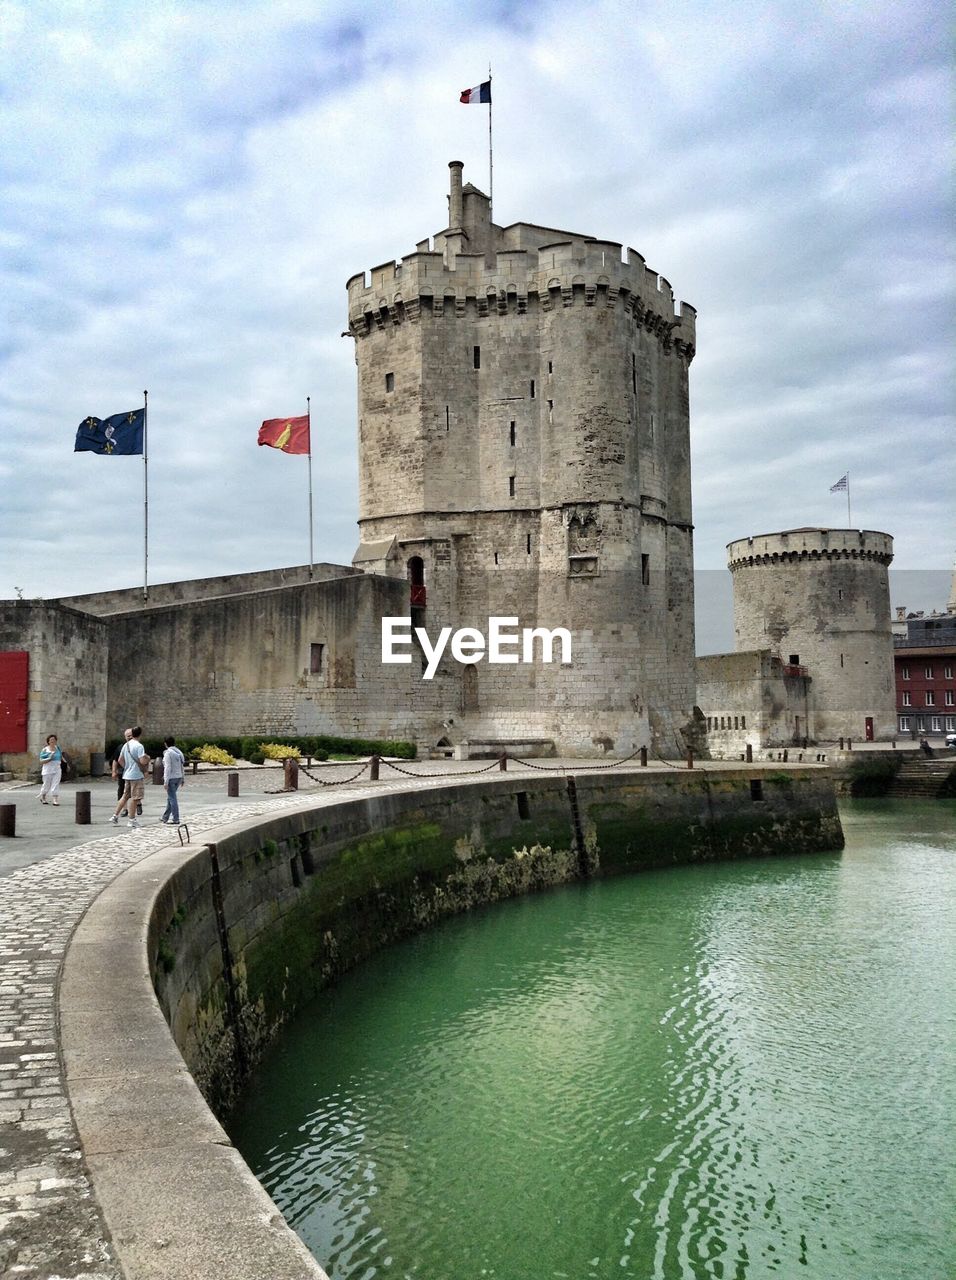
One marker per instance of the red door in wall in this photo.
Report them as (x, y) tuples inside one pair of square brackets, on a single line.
[(14, 688), (869, 728)]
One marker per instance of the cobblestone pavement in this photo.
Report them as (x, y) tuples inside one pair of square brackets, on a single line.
[(50, 1225)]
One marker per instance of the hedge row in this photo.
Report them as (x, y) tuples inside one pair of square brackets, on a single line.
[(319, 747)]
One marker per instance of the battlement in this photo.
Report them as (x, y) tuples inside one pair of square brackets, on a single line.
[(529, 266), (809, 545)]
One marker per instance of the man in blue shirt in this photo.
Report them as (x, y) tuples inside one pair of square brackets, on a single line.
[(134, 762)]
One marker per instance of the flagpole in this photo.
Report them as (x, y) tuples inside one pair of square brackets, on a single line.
[(145, 500), (491, 178), (308, 411), (849, 521)]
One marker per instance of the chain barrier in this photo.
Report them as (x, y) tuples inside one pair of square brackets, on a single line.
[(340, 782), (445, 773), (557, 768)]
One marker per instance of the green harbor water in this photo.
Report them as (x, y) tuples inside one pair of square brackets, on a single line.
[(742, 1071)]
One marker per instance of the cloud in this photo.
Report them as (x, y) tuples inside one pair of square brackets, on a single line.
[(187, 188)]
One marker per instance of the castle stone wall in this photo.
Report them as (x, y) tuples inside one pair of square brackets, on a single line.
[(821, 597), (68, 674), (524, 428), (236, 665)]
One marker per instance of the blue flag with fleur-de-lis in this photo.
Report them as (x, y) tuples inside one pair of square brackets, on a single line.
[(121, 433)]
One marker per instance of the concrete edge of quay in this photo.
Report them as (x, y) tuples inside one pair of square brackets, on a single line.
[(177, 1199)]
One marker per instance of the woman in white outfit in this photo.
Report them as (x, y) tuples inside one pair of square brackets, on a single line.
[(50, 770)]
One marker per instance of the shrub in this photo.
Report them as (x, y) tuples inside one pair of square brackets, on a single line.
[(278, 751), (208, 754)]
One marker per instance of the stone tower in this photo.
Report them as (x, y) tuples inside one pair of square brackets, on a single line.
[(819, 599), (524, 452)]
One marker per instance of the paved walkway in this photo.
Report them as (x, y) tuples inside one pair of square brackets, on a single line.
[(50, 1225)]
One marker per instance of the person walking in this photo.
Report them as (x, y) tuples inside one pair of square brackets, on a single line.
[(116, 767), (135, 762), (50, 769), (174, 776)]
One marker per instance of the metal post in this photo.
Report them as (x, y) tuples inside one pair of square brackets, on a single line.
[(690, 758), (750, 753), (373, 765), (643, 757), (503, 762), (785, 757), (82, 802), (8, 819), (290, 770), (232, 784)]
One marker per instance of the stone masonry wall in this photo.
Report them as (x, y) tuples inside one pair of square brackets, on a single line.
[(822, 596), (68, 678)]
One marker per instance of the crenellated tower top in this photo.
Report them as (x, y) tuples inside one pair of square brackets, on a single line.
[(475, 266)]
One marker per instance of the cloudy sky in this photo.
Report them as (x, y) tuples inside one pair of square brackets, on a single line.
[(186, 187)]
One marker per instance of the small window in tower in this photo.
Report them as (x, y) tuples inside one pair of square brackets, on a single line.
[(550, 412), (477, 357), (743, 722), (550, 368), (511, 486), (512, 434), (447, 418), (735, 722), (532, 388), (633, 371), (316, 654), (389, 382), (646, 570), (794, 659), (496, 557), (839, 593), (527, 545)]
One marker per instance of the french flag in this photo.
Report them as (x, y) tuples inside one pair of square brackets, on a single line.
[(480, 93)]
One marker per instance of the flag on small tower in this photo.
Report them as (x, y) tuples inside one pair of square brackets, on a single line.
[(291, 435), (480, 93), (840, 484)]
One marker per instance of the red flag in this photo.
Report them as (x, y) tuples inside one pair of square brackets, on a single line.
[(291, 435)]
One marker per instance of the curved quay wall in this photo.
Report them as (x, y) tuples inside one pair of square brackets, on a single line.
[(234, 936)]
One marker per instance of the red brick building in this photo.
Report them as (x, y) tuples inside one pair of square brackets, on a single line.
[(925, 660)]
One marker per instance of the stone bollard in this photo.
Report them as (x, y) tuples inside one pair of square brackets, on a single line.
[(232, 784), (643, 757), (849, 744), (290, 773), (503, 762), (82, 815), (750, 753), (8, 819), (373, 767), (690, 758), (157, 772), (785, 757)]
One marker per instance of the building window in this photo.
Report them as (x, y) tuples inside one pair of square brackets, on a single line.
[(907, 702), (550, 412), (389, 382), (936, 724), (527, 543), (841, 659), (794, 660), (447, 418), (735, 723), (950, 723), (928, 672), (949, 698), (316, 654), (513, 434), (905, 672), (743, 722), (904, 724), (550, 368), (477, 357), (947, 673), (532, 388), (511, 486), (646, 570), (930, 698)]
